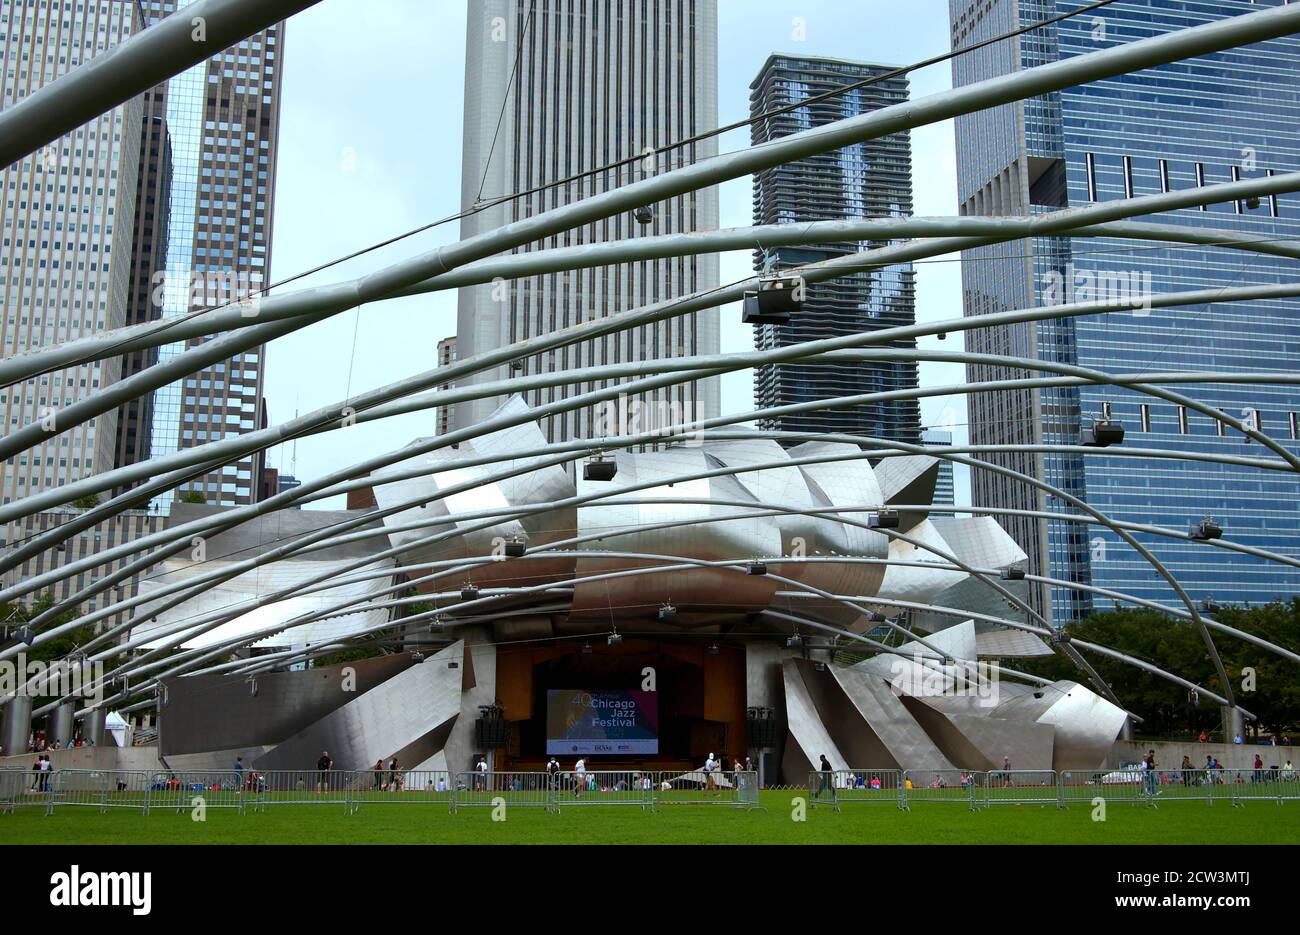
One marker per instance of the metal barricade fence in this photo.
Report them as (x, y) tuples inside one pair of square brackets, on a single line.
[(398, 787), (299, 787), (1082, 786), (951, 786), (185, 790), (1184, 785), (606, 787), (97, 788), (1021, 787), (1269, 783), (695, 787), (879, 786), (479, 788), (20, 787)]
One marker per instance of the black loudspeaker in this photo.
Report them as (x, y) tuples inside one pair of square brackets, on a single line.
[(761, 732), (490, 733)]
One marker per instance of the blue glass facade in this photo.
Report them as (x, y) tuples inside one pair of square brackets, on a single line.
[(1213, 119)]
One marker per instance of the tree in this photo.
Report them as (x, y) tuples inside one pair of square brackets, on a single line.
[(1264, 683), (193, 496), (88, 502)]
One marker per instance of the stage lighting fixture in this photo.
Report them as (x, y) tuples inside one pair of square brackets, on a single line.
[(885, 519), (599, 469), (468, 592), (774, 300), (1012, 573), (756, 568), (1207, 529), (515, 548), (644, 214), (667, 612)]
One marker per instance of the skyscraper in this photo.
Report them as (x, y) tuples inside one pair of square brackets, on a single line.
[(446, 357), (149, 210), (219, 121), (869, 179), (944, 491), (556, 89), (1220, 117), (65, 252)]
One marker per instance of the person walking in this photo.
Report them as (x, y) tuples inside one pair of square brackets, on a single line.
[(579, 777), (553, 772), (394, 776), (708, 774), (826, 778)]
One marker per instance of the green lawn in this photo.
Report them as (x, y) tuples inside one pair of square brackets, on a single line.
[(861, 823)]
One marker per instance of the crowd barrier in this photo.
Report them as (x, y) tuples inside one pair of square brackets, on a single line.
[(1021, 787), (490, 789), (22, 787), (736, 788), (949, 786), (249, 790), (855, 786)]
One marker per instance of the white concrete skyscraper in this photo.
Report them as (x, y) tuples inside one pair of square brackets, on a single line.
[(554, 88), (65, 238)]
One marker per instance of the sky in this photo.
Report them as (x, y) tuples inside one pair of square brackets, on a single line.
[(370, 148)]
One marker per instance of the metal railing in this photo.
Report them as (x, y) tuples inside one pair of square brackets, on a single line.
[(399, 787), (736, 788), (184, 790), (302, 787), (847, 786), (491, 789), (98, 788), (22, 787), (1021, 787), (606, 787), (250, 790), (947, 786)]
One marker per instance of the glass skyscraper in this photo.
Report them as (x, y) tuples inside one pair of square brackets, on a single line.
[(211, 135), (866, 180), (1230, 115)]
